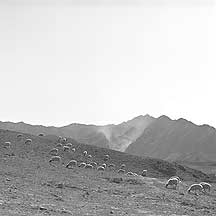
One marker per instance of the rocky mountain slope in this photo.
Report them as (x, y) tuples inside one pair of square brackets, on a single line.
[(178, 140)]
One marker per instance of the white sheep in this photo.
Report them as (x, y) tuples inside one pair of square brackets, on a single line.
[(55, 159), (121, 171), (111, 165), (135, 174), (41, 134), (69, 145), (53, 151), (129, 174), (85, 153), (94, 164), (66, 148), (71, 163), (89, 156), (100, 168), (7, 144), (206, 186), (82, 165), (28, 141), (173, 177), (89, 166), (104, 165), (122, 166), (173, 182), (58, 145), (195, 187), (73, 149), (144, 173), (19, 135), (106, 157)]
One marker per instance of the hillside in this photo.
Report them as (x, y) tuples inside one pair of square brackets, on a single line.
[(164, 138), (176, 140), (117, 137), (31, 186)]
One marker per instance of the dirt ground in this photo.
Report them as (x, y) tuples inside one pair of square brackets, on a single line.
[(33, 187)]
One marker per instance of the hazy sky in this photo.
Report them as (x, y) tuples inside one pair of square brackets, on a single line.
[(106, 61)]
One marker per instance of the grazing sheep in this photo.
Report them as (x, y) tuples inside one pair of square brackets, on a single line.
[(135, 174), (69, 145), (122, 166), (89, 156), (173, 177), (94, 164), (73, 149), (173, 182), (28, 141), (53, 151), (206, 186), (58, 145), (41, 134), (19, 135), (82, 165), (85, 153), (100, 168), (111, 165), (7, 144), (71, 164), (66, 148), (144, 173), (104, 165), (89, 166), (55, 159), (121, 171), (64, 140), (129, 174), (195, 187), (106, 157)]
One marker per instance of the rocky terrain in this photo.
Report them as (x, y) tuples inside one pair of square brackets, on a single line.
[(32, 186)]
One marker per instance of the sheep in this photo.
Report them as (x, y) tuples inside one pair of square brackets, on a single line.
[(121, 171), (89, 166), (41, 134), (206, 186), (104, 165), (66, 148), (172, 177), (89, 156), (173, 181), (73, 149), (122, 166), (71, 163), (85, 153), (59, 138), (111, 165), (144, 173), (195, 187), (28, 141), (82, 165), (69, 145), (106, 157), (94, 164), (64, 140), (129, 174), (55, 159), (58, 145), (53, 151), (7, 144), (100, 168), (19, 135), (135, 174)]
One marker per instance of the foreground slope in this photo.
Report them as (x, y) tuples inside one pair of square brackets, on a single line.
[(30, 186)]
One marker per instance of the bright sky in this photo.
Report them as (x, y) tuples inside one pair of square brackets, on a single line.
[(106, 61)]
